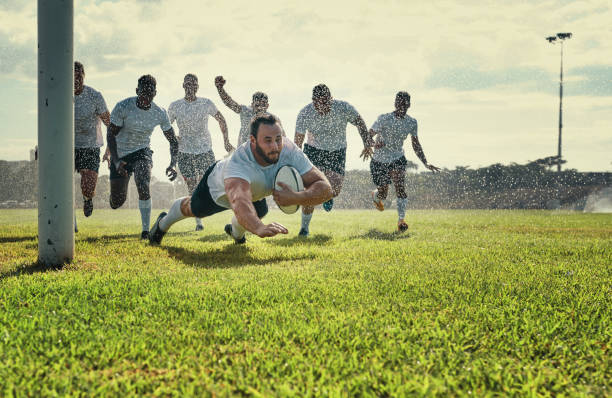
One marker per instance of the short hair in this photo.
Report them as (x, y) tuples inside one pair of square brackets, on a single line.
[(403, 95), (320, 91), (191, 76), (78, 67), (258, 96), (147, 82), (267, 118)]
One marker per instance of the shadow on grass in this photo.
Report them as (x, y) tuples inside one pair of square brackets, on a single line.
[(230, 256), (215, 238), (29, 269), (13, 239), (298, 240), (102, 238), (378, 235)]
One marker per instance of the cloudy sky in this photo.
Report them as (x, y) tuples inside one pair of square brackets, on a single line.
[(483, 79)]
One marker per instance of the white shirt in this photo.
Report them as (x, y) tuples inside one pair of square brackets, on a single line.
[(137, 125), (246, 115), (88, 106), (192, 121), (326, 132), (242, 164), (393, 131)]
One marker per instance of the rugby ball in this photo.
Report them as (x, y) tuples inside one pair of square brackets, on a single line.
[(289, 176)]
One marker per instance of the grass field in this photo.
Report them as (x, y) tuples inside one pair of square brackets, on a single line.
[(467, 303)]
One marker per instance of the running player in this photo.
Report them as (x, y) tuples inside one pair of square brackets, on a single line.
[(242, 182), (195, 146), (325, 121), (129, 139), (89, 109), (388, 162), (259, 106)]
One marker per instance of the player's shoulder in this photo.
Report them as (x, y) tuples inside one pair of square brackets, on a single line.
[(308, 109), (88, 90), (176, 104), (410, 119), (126, 103)]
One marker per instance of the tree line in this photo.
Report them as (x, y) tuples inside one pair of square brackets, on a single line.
[(528, 186)]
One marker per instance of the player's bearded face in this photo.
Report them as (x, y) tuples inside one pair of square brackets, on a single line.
[(271, 155)]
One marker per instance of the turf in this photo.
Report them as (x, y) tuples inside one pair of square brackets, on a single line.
[(481, 303)]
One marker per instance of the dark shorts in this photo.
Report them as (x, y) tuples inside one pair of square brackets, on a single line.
[(194, 165), (327, 160), (381, 172), (131, 159), (203, 205), (87, 159)]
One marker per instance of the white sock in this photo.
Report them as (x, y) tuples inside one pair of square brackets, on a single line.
[(174, 215), (198, 221), (145, 213), (401, 207), (306, 220), (238, 230)]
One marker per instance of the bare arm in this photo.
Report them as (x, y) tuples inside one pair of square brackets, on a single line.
[(171, 137), (111, 141), (105, 117), (223, 126), (227, 100), (240, 197), (365, 137), (416, 145), (299, 139), (317, 190)]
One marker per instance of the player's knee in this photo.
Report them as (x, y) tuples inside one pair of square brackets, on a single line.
[(144, 196), (115, 204), (186, 207)]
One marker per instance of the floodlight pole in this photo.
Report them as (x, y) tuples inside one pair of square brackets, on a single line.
[(55, 132), (552, 39)]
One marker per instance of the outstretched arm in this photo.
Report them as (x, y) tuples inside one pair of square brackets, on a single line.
[(317, 190), (227, 100), (240, 197), (416, 145), (365, 137), (171, 137), (223, 126)]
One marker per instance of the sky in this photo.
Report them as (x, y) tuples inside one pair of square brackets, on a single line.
[(484, 81)]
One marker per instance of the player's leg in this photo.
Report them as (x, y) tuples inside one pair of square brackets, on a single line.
[(199, 204), (398, 175), (118, 189), (201, 163), (142, 178), (334, 165), (187, 165), (381, 178), (87, 163), (237, 231)]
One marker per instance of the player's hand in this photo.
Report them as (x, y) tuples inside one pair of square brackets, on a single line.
[(107, 158), (432, 168), (265, 231), (219, 81), (285, 196), (229, 147), (120, 166), (366, 153), (171, 173), (379, 144)]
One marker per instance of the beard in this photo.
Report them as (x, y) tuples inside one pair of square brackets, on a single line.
[(265, 156)]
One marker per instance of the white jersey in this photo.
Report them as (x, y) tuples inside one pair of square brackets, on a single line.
[(137, 125), (242, 164), (393, 131), (88, 106), (246, 115), (326, 132), (192, 121)]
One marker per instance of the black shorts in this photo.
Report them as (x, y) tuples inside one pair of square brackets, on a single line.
[(203, 205), (131, 159), (87, 159), (381, 172), (327, 160), (194, 165)]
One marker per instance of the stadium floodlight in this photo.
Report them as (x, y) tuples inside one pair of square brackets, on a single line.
[(55, 132), (553, 39)]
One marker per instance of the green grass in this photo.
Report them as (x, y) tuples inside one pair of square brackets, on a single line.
[(481, 303)]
